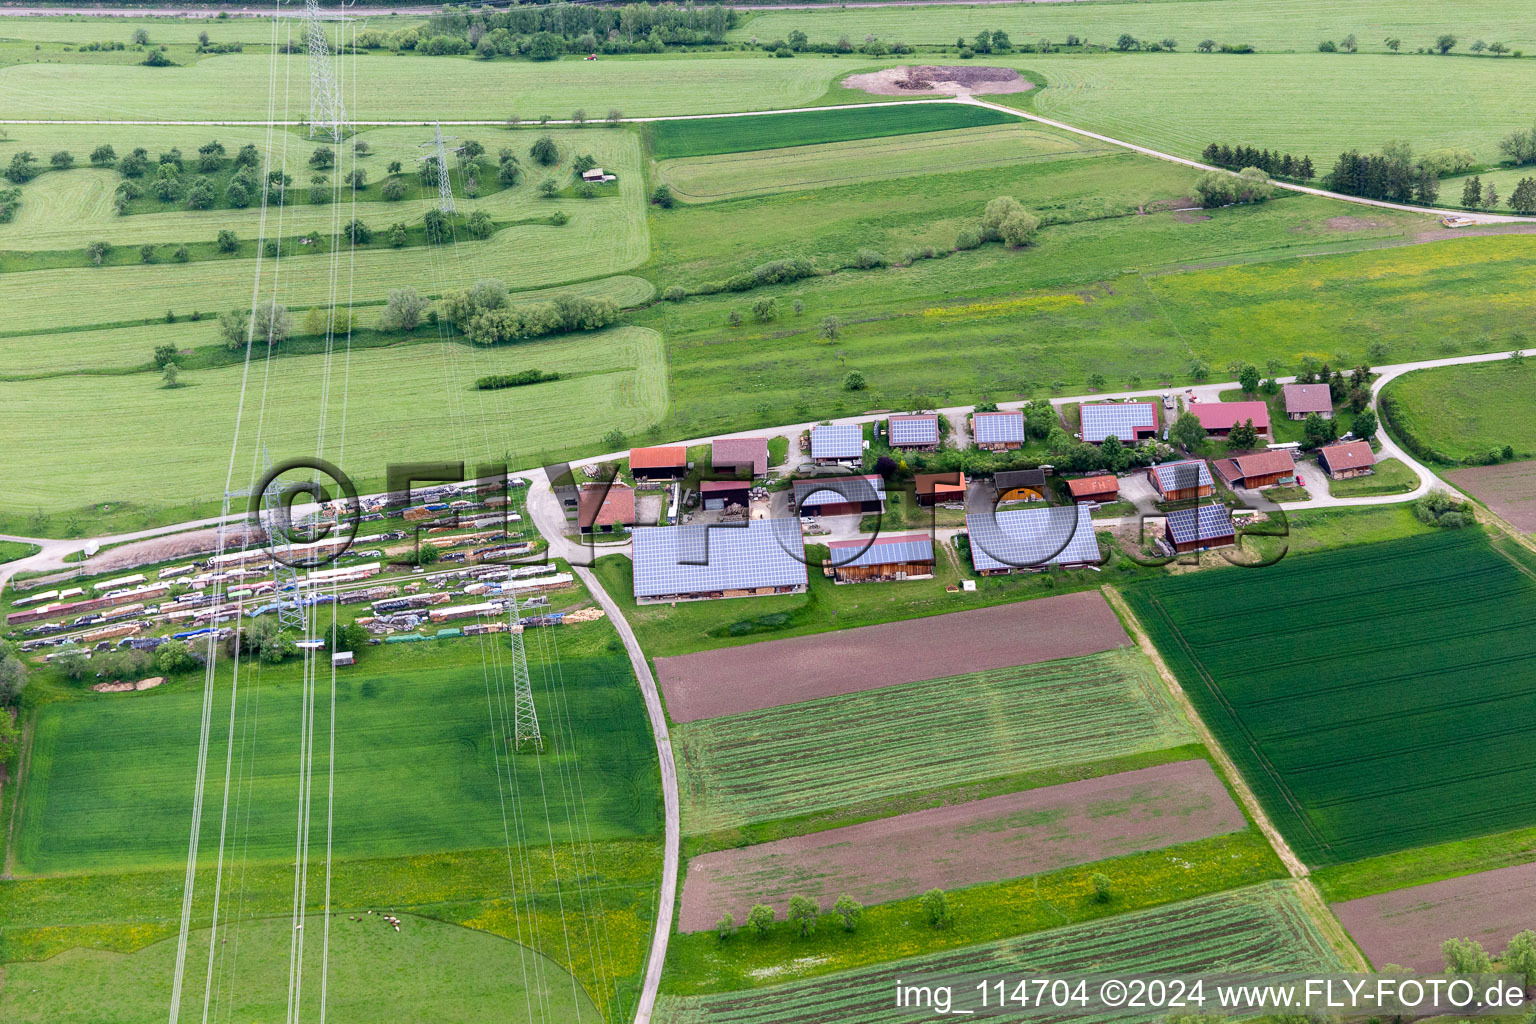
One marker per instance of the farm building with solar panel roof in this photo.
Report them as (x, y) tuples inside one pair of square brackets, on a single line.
[(1127, 421), (700, 562), (1032, 539), (837, 443), (916, 432)]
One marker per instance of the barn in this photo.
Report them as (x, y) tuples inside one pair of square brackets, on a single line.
[(1127, 421), (1258, 469), (1200, 528), (718, 494), (604, 508), (741, 456), (1095, 488), (1301, 400), (837, 444), (1219, 418), (939, 488), (1342, 461), (1031, 539), (697, 562), (1020, 484), (667, 462), (915, 432), (903, 556), (840, 495), (1180, 481), (998, 431)]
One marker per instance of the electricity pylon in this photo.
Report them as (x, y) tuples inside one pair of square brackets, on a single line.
[(440, 154), (525, 728), (326, 115)]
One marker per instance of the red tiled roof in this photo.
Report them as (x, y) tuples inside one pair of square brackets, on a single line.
[(1350, 455), (1226, 415), (940, 483), (739, 451), (616, 507), (666, 457), (884, 538), (1266, 463), (1307, 398), (1089, 486), (713, 486)]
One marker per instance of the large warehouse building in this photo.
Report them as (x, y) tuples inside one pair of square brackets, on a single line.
[(1032, 539), (698, 562)]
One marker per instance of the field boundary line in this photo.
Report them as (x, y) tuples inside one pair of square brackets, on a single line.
[(1328, 923), (1293, 863), (23, 762), (666, 900)]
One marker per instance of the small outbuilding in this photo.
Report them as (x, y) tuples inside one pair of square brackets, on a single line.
[(1342, 461), (903, 556), (1200, 528), (1181, 481), (1020, 484), (666, 462), (604, 508), (743, 456), (1258, 469), (1301, 400), (998, 431), (1095, 488), (918, 432), (721, 494), (341, 658), (940, 488)]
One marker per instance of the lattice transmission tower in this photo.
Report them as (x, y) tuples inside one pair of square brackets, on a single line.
[(285, 577), (525, 727), (440, 154), (326, 114)]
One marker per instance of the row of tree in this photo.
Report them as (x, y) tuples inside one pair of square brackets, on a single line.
[(486, 316), (1276, 164), (1392, 174)]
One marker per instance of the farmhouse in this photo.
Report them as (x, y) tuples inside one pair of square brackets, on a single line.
[(603, 508), (998, 431), (1200, 528), (917, 432), (720, 493), (1127, 421), (1031, 539), (1258, 469), (1180, 481), (1020, 485), (1220, 417), (840, 495), (668, 462), (1342, 461), (1303, 399), (697, 562), (746, 456), (841, 443), (938, 488), (904, 556), (1095, 488)]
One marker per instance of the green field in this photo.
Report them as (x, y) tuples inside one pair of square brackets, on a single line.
[(1454, 414), (1297, 24), (438, 972), (705, 137), (779, 762), (1391, 477), (963, 151), (1259, 928), (173, 30), (1393, 719)]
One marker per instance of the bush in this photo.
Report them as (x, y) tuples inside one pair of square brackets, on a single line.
[(544, 151), (854, 381), (870, 259), (227, 241), (1019, 228), (394, 190), (1440, 509), (674, 293), (514, 380), (969, 238)]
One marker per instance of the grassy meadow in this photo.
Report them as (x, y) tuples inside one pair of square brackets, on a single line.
[(709, 136), (1461, 413)]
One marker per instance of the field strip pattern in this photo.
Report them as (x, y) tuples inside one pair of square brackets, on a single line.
[(918, 737), (1406, 927), (965, 844), (1264, 927), (1397, 719), (752, 677)]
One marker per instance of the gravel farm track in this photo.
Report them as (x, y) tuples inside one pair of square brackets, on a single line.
[(991, 840), (779, 672)]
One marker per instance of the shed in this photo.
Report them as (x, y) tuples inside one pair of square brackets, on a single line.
[(840, 495), (1031, 539), (1200, 528), (697, 562), (1301, 400), (741, 455), (1258, 469), (1180, 481), (902, 556), (720, 493), (1020, 484), (915, 431), (1095, 488), (592, 174), (341, 658), (1342, 461), (998, 431), (602, 508), (1126, 421), (837, 442), (938, 488), (1220, 417), (667, 462)]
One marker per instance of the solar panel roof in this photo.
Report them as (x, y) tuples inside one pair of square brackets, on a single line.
[(907, 547), (1181, 476), (837, 441), (999, 427), (914, 430), (694, 559), (1202, 523), (1026, 538), (836, 490), (1118, 418)]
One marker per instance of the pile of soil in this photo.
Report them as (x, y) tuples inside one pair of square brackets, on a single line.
[(966, 80), (121, 687)]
